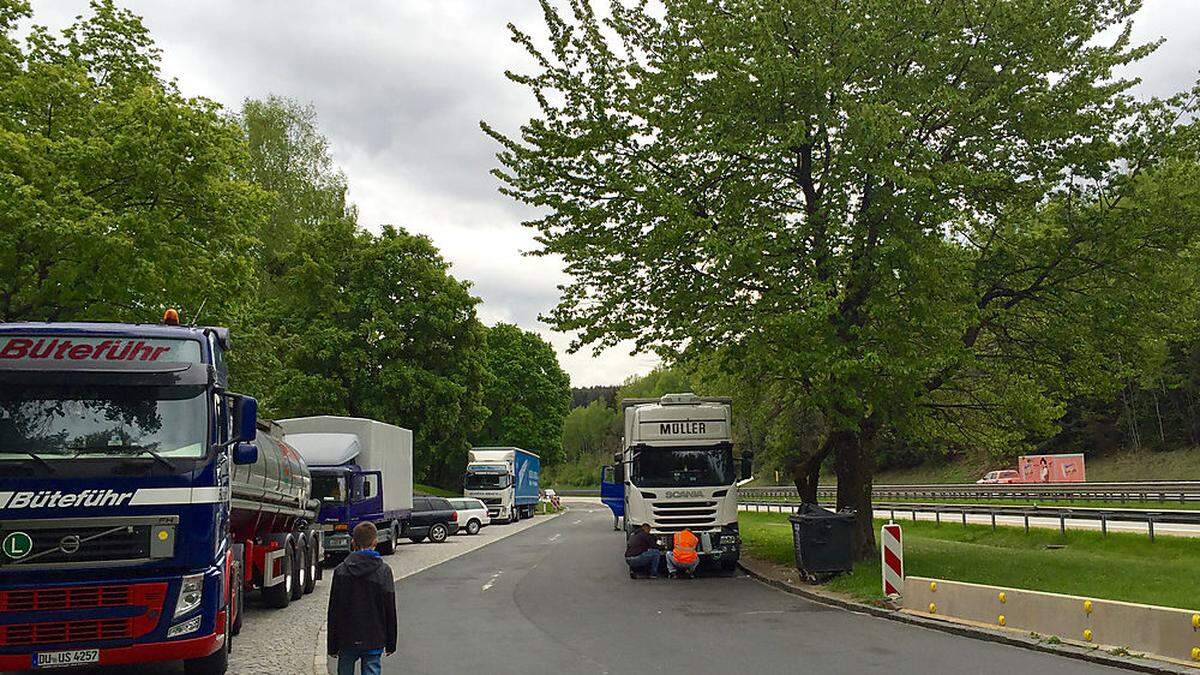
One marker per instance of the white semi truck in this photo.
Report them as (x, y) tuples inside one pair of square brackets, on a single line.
[(505, 480), (677, 471)]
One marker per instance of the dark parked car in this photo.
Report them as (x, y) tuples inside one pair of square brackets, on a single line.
[(432, 517)]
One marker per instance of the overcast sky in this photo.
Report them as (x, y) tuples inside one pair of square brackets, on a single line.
[(400, 88)]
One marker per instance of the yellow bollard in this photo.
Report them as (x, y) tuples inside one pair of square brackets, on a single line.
[(1001, 620), (933, 586), (1087, 606), (1196, 621), (1003, 597), (932, 608), (1087, 634), (1196, 653)]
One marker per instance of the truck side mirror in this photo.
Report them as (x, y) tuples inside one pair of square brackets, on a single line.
[(245, 453), (245, 418)]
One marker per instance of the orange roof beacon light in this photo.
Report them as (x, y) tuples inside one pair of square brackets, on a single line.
[(171, 317)]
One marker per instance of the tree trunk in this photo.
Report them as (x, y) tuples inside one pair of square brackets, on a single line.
[(855, 465), (806, 472)]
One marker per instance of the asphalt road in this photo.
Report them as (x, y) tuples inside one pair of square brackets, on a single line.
[(557, 599)]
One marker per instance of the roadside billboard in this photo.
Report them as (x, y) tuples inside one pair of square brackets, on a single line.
[(1051, 468)]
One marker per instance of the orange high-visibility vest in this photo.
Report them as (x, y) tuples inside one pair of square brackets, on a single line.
[(685, 547)]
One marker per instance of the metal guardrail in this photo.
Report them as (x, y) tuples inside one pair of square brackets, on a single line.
[(1156, 491), (1148, 517)]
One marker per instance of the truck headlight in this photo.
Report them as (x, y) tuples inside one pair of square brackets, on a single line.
[(191, 593)]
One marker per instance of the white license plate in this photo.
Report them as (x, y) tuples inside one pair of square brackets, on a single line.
[(69, 658)]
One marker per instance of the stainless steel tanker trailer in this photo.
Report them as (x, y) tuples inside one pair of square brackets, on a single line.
[(271, 520)]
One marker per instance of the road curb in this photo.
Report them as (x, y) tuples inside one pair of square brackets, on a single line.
[(320, 664), (1092, 655)]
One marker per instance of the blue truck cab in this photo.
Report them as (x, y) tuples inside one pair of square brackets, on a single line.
[(361, 472), (117, 442)]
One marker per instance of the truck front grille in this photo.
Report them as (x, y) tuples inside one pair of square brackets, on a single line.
[(50, 632), (147, 598), (675, 516), (57, 545), (491, 501)]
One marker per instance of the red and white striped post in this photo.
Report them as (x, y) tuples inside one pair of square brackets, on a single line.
[(892, 558)]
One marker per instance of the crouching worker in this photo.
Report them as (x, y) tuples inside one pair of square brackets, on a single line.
[(682, 555), (362, 607), (641, 553)]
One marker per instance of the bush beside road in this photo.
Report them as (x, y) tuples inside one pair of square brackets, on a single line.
[(1120, 567)]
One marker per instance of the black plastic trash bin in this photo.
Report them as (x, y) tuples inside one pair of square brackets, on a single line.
[(822, 539)]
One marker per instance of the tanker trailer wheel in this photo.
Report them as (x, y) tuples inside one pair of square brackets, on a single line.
[(389, 547), (310, 556), (438, 533), (213, 664), (299, 568), (280, 595)]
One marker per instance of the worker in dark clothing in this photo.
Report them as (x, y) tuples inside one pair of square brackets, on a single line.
[(641, 552), (362, 607)]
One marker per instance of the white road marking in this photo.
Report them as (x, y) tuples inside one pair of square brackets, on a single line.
[(579, 521), (551, 539), (492, 582), (764, 611)]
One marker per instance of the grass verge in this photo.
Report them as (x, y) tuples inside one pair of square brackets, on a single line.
[(1120, 567), (435, 491)]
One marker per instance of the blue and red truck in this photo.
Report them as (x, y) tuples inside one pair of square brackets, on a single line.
[(140, 498)]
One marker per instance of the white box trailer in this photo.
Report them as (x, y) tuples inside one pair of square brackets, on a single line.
[(362, 471)]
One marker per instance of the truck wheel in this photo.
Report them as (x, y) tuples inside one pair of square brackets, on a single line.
[(280, 595), (473, 527), (299, 568), (438, 533), (388, 547), (215, 663), (310, 555)]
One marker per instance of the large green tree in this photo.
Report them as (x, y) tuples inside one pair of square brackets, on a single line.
[(118, 195), (528, 395), (349, 322), (918, 217)]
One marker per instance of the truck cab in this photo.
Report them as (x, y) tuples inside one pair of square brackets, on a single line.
[(676, 470), (117, 444)]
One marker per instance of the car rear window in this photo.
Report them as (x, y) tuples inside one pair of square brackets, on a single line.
[(437, 503)]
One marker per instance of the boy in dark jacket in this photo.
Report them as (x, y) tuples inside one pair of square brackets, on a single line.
[(362, 607)]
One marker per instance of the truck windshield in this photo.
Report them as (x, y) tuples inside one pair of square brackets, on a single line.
[(684, 466), (332, 488), (59, 422), (485, 481)]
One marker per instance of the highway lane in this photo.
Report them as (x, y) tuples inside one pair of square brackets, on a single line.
[(557, 599)]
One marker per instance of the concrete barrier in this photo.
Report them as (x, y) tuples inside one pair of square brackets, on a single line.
[(1161, 631)]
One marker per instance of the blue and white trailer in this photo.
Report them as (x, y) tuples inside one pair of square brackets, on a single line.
[(505, 480), (139, 498), (362, 472)]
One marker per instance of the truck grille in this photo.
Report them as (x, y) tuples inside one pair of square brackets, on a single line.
[(15, 635), (491, 501), (88, 545), (675, 516), (147, 597)]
